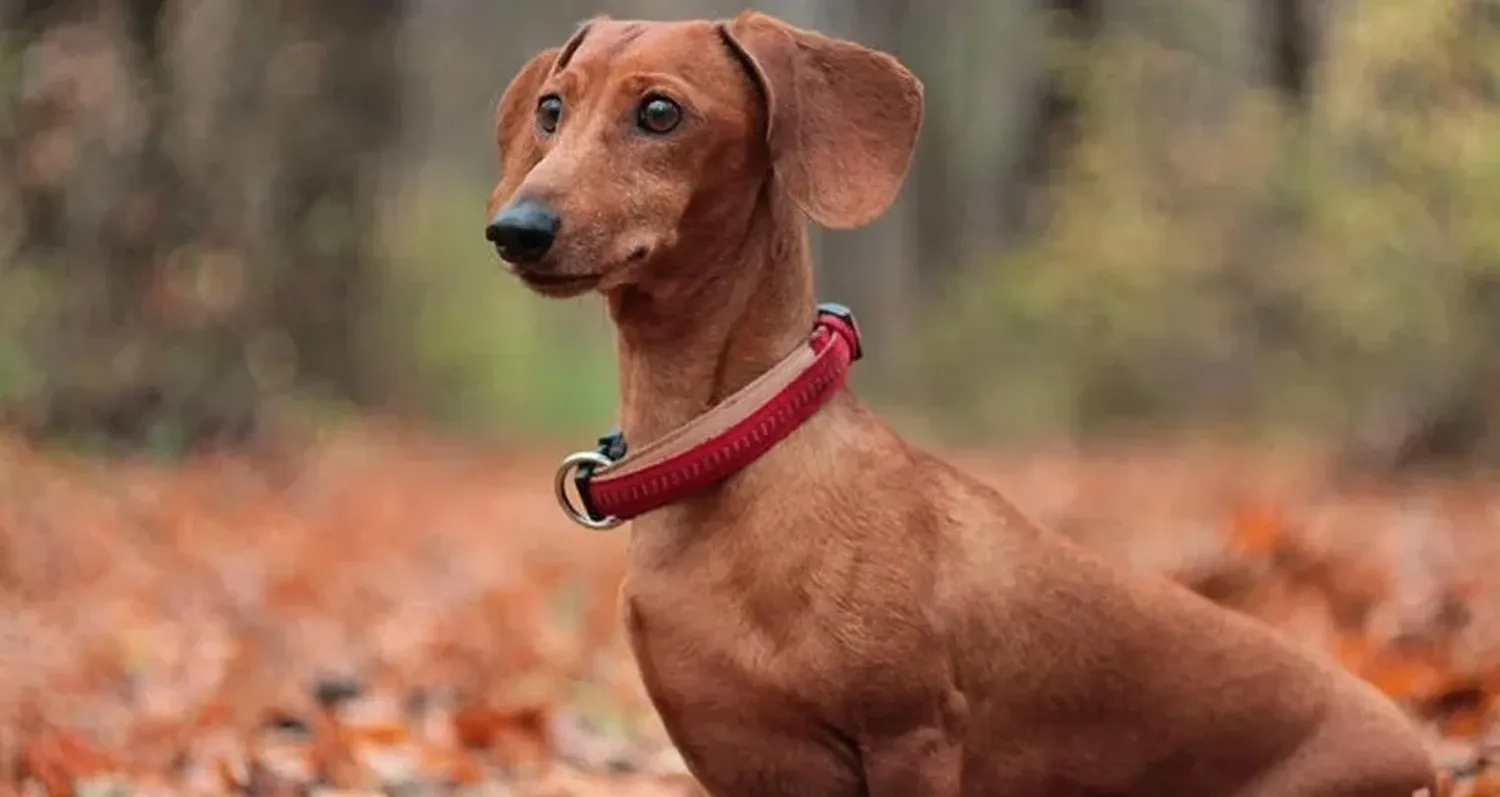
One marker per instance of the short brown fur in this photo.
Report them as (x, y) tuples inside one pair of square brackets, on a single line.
[(850, 615)]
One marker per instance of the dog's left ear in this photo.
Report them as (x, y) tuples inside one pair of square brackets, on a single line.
[(841, 119), (515, 114)]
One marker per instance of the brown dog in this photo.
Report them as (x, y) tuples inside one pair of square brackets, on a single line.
[(817, 608)]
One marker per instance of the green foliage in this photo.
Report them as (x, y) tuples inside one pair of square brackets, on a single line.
[(25, 296), (1213, 256)]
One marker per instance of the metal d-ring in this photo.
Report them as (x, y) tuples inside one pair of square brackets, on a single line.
[(570, 464)]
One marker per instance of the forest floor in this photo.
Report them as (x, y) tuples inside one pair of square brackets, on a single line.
[(385, 612)]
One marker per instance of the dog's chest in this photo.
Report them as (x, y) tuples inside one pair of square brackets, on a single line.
[(742, 725)]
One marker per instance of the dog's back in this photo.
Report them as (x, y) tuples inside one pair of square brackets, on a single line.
[(1087, 679)]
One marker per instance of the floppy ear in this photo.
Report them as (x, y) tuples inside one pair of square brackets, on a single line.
[(841, 119), (515, 115)]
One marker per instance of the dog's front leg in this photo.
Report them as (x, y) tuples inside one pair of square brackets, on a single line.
[(916, 749)]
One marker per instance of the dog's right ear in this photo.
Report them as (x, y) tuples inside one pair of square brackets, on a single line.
[(515, 114)]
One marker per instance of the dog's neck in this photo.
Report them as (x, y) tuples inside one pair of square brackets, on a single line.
[(746, 303)]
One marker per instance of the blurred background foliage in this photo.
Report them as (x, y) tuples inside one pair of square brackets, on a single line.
[(1272, 218)]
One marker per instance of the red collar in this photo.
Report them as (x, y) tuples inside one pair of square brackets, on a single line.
[(613, 487)]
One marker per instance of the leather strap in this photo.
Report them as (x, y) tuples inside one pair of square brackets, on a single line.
[(724, 440)]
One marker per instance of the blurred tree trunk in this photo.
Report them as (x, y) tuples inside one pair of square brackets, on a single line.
[(871, 269), (326, 195), (211, 251), (937, 214), (1052, 125), (98, 219), (1291, 45), (38, 199)]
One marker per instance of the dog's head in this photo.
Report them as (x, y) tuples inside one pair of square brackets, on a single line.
[(618, 146)]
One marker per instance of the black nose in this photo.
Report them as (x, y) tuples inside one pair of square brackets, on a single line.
[(523, 232)]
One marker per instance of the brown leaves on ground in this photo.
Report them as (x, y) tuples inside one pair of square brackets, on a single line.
[(383, 612)]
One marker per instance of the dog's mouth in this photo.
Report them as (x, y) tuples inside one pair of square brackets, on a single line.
[(557, 284)]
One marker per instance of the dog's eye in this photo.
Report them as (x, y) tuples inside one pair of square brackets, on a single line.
[(659, 115), (549, 113)]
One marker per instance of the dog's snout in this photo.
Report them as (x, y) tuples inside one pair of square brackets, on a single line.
[(523, 232)]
